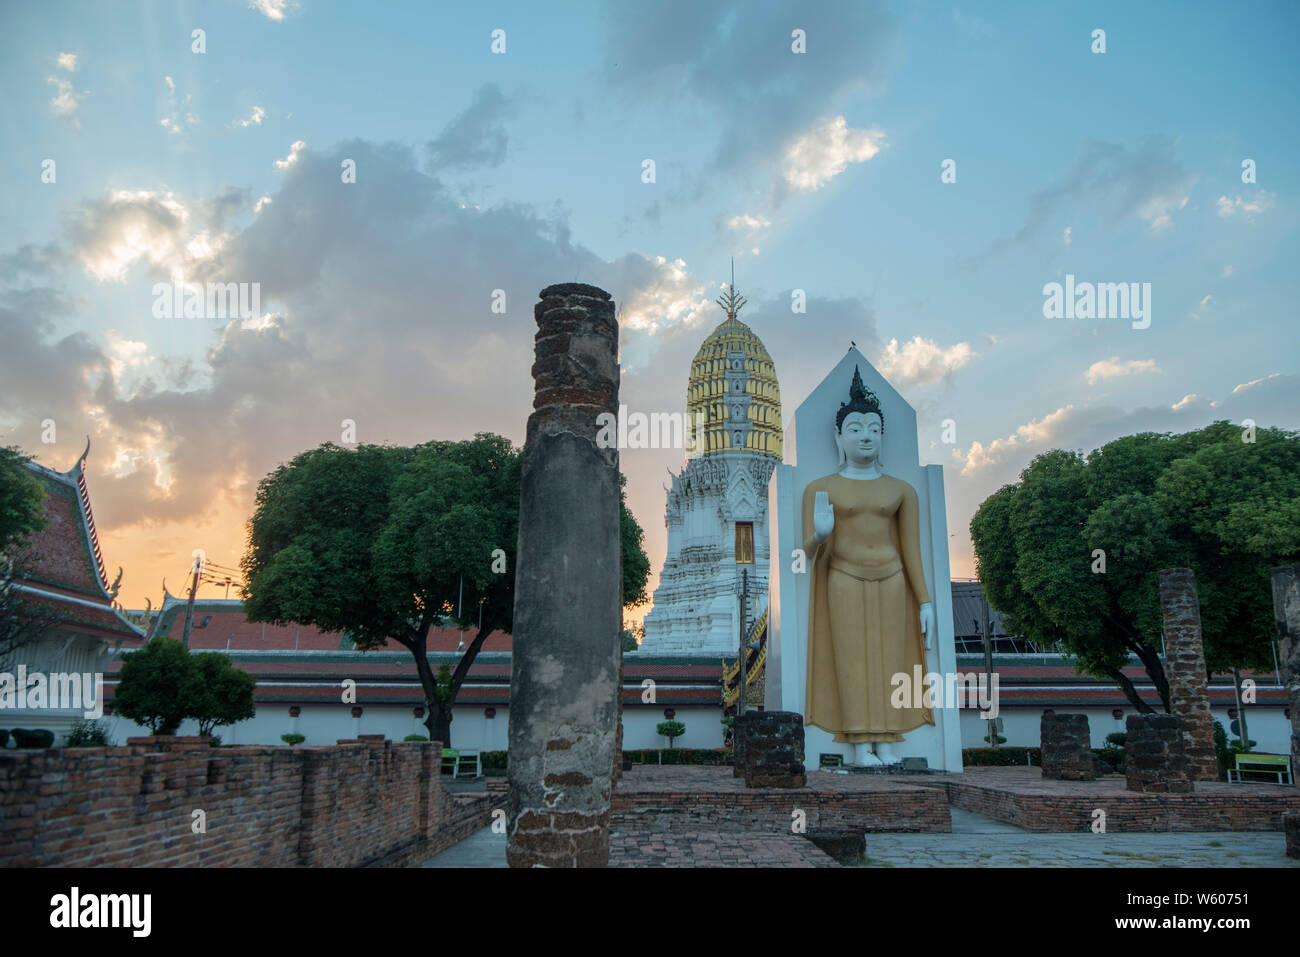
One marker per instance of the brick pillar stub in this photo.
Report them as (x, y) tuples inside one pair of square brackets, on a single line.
[(1189, 698), (568, 620), (1286, 613)]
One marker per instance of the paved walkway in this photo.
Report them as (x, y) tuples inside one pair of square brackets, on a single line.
[(978, 841), (975, 841)]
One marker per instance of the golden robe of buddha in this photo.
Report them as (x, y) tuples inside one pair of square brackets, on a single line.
[(868, 596)]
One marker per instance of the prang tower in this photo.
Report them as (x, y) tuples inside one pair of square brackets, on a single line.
[(717, 505)]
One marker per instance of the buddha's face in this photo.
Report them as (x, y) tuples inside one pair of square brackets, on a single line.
[(859, 438)]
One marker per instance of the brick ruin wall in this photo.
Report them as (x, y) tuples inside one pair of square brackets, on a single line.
[(365, 803)]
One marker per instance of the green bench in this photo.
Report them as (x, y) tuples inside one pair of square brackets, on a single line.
[(461, 761), (1278, 765)]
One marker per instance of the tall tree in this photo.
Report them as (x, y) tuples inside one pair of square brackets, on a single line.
[(1227, 508), (389, 542), (22, 514)]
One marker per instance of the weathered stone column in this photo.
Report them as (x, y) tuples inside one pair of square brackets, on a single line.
[(567, 623), (1189, 698), (1286, 612)]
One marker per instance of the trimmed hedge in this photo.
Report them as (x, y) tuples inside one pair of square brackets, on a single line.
[(4, 737), (40, 738), (493, 760), (1001, 757), (696, 756)]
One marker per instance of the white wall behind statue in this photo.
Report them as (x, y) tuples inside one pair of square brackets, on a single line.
[(810, 453)]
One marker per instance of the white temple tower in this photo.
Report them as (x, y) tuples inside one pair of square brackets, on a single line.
[(717, 506)]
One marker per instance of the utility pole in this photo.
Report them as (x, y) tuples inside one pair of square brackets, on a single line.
[(1244, 736), (189, 605), (744, 672), (988, 664)]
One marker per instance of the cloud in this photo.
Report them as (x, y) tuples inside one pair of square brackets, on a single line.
[(181, 118), (734, 59), (66, 99), (254, 119), (1227, 271), (110, 235), (275, 10), (1256, 382), (1146, 183), (922, 361), (295, 151), (475, 138), (1113, 368), (749, 225), (1245, 208), (1068, 239), (825, 151), (1038, 433)]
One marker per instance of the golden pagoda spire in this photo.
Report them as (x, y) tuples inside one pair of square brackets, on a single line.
[(731, 303)]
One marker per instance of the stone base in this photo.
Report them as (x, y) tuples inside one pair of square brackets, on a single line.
[(1154, 759), (1067, 748), (771, 750), (848, 846), (1021, 797), (682, 798)]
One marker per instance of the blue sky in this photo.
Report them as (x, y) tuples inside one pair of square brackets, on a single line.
[(818, 171)]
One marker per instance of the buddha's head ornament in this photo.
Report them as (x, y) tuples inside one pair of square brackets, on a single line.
[(861, 399)]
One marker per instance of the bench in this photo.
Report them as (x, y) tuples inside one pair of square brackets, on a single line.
[(470, 758), (450, 760), (1278, 765)]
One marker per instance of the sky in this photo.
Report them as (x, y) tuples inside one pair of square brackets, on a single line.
[(920, 171)]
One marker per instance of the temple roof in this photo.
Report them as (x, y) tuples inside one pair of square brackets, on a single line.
[(64, 571)]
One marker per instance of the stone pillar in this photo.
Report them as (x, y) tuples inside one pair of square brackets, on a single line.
[(773, 749), (1189, 699), (567, 622), (1154, 758), (1066, 744), (1286, 612)]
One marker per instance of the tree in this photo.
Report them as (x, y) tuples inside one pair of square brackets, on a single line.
[(386, 542), (1071, 553), (226, 693), (22, 514), (157, 686), (670, 730)]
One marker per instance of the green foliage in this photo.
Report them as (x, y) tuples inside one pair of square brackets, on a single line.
[(4, 738), (157, 685), (22, 500), (493, 760), (226, 694), (713, 757), (1230, 510), (1221, 751), (23, 620), (39, 738), (214, 740), (416, 737), (1002, 739), (292, 739), (628, 640), (379, 541), (1116, 739), (1111, 757), (636, 564), (88, 734), (1001, 757), (670, 730)]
